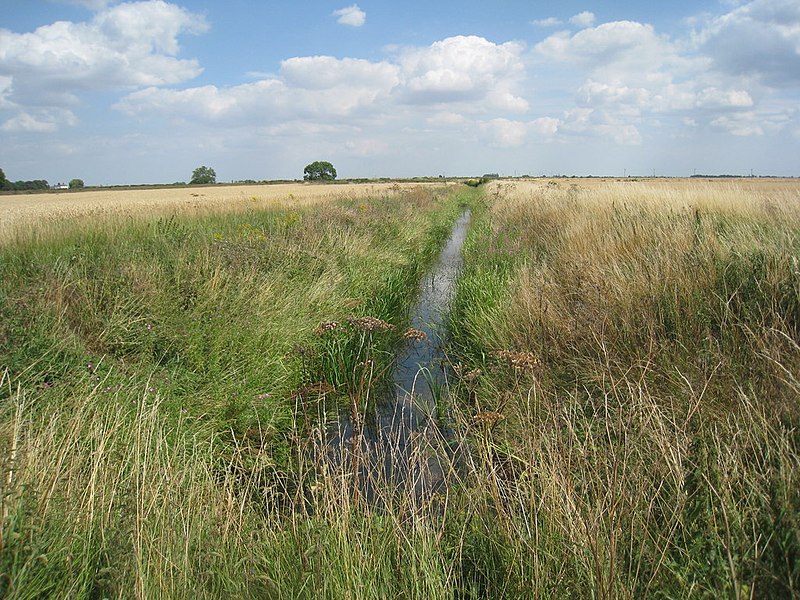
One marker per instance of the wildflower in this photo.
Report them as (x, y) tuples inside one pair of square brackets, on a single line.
[(370, 324), (326, 327), (263, 396), (518, 360), (149, 326), (415, 334)]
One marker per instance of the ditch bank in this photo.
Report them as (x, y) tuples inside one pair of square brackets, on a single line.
[(401, 441)]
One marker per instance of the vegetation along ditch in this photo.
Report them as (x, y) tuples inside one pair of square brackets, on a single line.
[(192, 402)]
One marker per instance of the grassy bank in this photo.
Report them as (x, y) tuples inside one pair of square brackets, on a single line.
[(640, 359), (150, 370), (626, 389)]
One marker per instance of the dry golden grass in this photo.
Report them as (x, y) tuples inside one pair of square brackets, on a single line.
[(601, 248), (651, 449), (35, 213)]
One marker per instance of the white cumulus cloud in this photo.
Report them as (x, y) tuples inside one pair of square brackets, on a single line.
[(505, 133), (125, 46), (583, 19), (759, 39), (633, 77), (448, 85), (350, 15), (548, 22), (463, 68), (39, 121)]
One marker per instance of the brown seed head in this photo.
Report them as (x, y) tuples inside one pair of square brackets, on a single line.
[(326, 327), (314, 389), (487, 417), (471, 376), (415, 334), (370, 324)]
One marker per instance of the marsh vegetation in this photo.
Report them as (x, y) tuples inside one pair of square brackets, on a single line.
[(624, 381)]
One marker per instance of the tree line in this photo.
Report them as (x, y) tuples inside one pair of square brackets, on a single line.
[(7, 185)]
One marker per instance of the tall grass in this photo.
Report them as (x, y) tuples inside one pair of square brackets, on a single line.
[(624, 414), (151, 427), (650, 445)]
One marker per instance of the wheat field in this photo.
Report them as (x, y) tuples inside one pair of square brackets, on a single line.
[(19, 213)]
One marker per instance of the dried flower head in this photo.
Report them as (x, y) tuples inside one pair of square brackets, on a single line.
[(471, 376), (370, 324), (302, 351), (415, 334), (518, 360), (326, 327), (487, 417)]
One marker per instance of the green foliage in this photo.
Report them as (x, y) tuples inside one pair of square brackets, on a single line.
[(162, 359), (319, 171), (76, 184), (203, 175), (36, 184)]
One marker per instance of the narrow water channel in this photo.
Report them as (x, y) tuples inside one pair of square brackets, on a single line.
[(406, 443)]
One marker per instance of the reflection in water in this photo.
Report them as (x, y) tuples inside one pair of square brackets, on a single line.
[(405, 442)]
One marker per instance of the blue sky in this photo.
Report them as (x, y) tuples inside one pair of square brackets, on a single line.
[(145, 91)]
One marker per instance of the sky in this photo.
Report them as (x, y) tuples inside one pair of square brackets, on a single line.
[(145, 91)]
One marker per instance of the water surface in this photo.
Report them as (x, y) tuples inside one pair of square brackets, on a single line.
[(406, 439)]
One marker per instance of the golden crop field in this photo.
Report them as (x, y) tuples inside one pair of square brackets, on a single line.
[(23, 212)]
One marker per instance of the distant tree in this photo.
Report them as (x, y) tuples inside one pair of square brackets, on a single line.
[(5, 184), (319, 170), (36, 184), (76, 184), (204, 175)]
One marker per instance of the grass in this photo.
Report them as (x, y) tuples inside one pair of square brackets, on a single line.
[(650, 442), (624, 410), (149, 377)]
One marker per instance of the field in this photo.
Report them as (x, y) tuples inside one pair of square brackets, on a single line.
[(623, 389), (52, 209)]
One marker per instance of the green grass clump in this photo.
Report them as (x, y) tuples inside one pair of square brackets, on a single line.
[(151, 429)]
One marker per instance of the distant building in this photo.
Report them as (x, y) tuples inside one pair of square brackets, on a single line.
[(61, 186)]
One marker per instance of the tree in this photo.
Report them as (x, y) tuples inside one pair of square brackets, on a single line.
[(5, 184), (319, 170), (204, 175), (76, 184)]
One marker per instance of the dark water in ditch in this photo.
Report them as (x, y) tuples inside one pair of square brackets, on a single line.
[(406, 444)]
